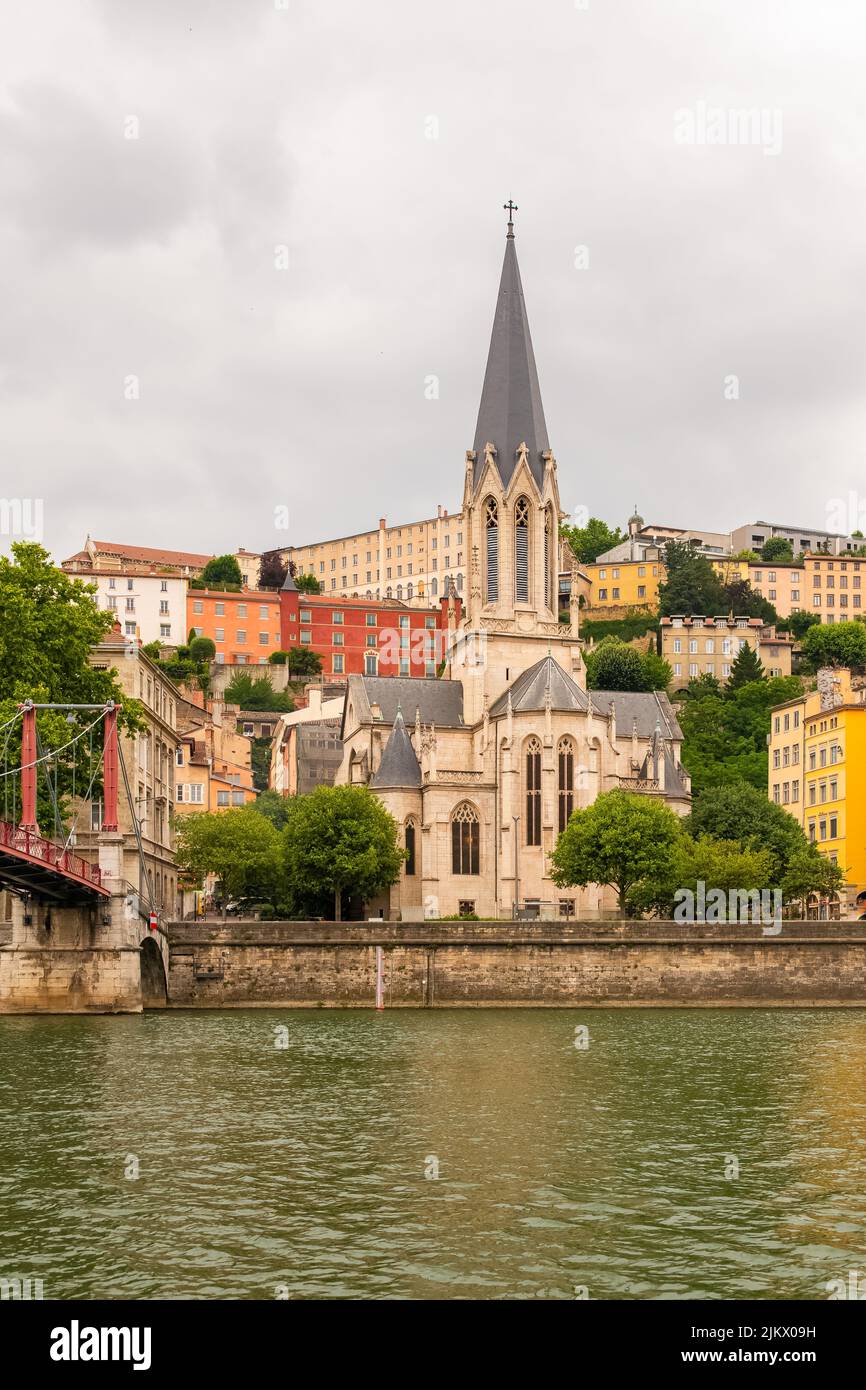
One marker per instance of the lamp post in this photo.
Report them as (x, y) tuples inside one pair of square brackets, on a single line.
[(516, 820)]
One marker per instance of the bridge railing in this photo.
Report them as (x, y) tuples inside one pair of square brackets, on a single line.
[(47, 852)]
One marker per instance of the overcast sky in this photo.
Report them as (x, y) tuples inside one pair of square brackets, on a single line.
[(377, 142)]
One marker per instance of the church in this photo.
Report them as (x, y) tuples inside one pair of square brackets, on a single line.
[(482, 768)]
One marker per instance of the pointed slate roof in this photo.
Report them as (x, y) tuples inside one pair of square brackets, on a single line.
[(289, 585), (530, 690), (511, 412), (399, 766)]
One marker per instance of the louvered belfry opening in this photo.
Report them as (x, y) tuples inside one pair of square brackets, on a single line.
[(521, 551), (566, 782), (491, 531)]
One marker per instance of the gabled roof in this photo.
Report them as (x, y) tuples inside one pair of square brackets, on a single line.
[(399, 766), (529, 690), (511, 412), (440, 702), (646, 710)]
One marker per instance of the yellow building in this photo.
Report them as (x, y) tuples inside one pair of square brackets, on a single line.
[(833, 588), (817, 753), (213, 761), (624, 585), (782, 585), (699, 646)]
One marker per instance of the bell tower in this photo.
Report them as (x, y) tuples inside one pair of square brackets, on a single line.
[(511, 501)]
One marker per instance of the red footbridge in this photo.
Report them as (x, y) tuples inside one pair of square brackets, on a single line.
[(31, 864)]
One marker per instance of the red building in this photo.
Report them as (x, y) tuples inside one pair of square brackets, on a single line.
[(361, 636)]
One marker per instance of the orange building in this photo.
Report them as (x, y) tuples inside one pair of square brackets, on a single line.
[(243, 625)]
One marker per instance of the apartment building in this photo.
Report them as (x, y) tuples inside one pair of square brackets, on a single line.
[(412, 562), (366, 637), (755, 534), (782, 585), (834, 588), (624, 585), (817, 757), (244, 625), (699, 646), (213, 769), (150, 759), (145, 589), (307, 750)]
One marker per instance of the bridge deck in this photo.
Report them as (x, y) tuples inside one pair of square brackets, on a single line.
[(29, 863)]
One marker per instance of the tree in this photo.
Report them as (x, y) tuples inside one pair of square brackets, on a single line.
[(613, 665), (272, 570), (691, 585), (274, 807), (240, 847), (747, 667), (725, 730), (742, 599), (303, 661), (222, 569), (716, 864), (809, 872), (254, 693), (622, 840), (202, 649), (799, 622), (589, 541), (779, 550), (341, 839), (49, 624), (278, 658), (307, 584), (743, 813), (152, 649), (835, 644)]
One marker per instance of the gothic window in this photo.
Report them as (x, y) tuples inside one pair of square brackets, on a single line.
[(566, 781), (465, 840), (434, 587), (533, 792), (410, 848), (521, 551), (491, 532)]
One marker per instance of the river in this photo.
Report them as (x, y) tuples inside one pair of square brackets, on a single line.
[(434, 1154)]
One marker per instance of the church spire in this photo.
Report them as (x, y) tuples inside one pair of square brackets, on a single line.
[(511, 413)]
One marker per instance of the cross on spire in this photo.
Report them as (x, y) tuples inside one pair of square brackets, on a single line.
[(510, 207)]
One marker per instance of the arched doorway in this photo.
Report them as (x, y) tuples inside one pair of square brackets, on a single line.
[(154, 988)]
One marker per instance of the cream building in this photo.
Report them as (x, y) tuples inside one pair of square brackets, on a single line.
[(412, 562), (483, 768), (833, 588), (698, 646)]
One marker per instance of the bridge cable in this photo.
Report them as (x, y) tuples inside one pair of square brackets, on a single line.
[(86, 796), (136, 827), (52, 789), (53, 754)]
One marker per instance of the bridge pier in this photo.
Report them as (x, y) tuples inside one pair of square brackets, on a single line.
[(78, 959)]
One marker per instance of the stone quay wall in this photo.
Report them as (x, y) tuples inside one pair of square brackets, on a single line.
[(238, 964)]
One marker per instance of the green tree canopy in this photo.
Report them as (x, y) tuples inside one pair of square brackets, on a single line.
[(747, 667), (717, 864), (835, 644), (777, 549), (202, 649), (307, 584), (257, 693), (342, 840), (272, 570), (799, 622), (743, 813), (274, 807), (807, 872), (240, 847), (725, 730), (222, 569), (613, 665), (742, 600), (589, 541), (691, 585), (303, 662), (623, 840)]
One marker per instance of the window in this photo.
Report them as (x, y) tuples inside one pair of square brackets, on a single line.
[(465, 839), (521, 553), (338, 663), (220, 634), (566, 782), (198, 606), (165, 629), (371, 663), (242, 610), (338, 639), (219, 609), (336, 618), (491, 531), (533, 792), (566, 907), (410, 848), (305, 615), (242, 635), (195, 793), (371, 620)]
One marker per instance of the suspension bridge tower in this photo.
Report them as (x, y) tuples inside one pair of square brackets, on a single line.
[(78, 940)]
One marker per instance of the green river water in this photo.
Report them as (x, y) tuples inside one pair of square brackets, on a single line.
[(301, 1170)]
